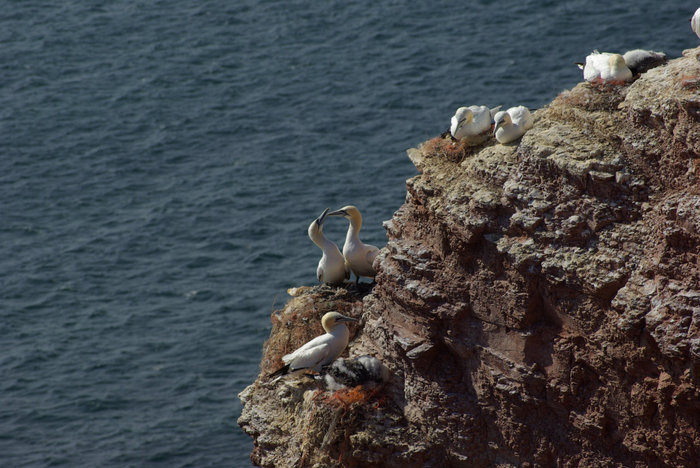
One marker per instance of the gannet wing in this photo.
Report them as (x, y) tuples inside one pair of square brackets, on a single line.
[(494, 110), (319, 340), (372, 252), (310, 357)]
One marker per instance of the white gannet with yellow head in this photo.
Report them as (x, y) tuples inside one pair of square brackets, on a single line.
[(606, 67), (512, 124), (320, 351), (695, 22), (331, 268), (471, 121), (358, 256)]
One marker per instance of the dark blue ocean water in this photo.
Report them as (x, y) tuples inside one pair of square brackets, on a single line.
[(161, 161)]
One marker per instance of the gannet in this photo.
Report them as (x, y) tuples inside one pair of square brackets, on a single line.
[(358, 256), (695, 22), (606, 67), (512, 124), (471, 121), (331, 268), (640, 61), (320, 351), (347, 373)]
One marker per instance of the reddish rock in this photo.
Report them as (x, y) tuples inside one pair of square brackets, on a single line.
[(538, 303)]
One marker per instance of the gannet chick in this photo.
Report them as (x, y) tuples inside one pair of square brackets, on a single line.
[(512, 124), (695, 22), (471, 121), (640, 61), (367, 371), (331, 268), (320, 351), (606, 67), (358, 256)]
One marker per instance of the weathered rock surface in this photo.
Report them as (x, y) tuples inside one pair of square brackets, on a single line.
[(537, 303)]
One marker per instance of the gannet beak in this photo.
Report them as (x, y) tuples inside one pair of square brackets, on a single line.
[(343, 318), (319, 220), (338, 213)]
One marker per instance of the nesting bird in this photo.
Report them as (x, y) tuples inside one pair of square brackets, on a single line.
[(606, 67), (331, 268), (367, 371), (471, 121), (358, 256), (695, 22), (512, 124), (640, 61), (320, 351)]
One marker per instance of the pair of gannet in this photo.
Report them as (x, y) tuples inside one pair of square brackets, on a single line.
[(512, 124), (320, 351), (471, 121), (357, 257), (604, 66)]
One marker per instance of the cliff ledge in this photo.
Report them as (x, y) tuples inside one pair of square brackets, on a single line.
[(538, 303)]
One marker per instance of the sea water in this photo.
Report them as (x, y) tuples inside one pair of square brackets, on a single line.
[(160, 164)]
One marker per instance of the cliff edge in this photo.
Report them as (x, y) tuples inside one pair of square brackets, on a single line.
[(537, 303)]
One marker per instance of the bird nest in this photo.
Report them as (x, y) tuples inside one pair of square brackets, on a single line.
[(447, 148)]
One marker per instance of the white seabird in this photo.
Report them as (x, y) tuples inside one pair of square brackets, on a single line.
[(471, 121), (640, 60), (606, 67), (367, 371), (695, 22), (320, 351), (331, 268), (358, 256), (512, 124)]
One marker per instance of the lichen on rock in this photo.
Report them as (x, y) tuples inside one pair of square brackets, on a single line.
[(537, 303)]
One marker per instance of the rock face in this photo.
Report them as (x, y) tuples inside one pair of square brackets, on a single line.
[(538, 303)]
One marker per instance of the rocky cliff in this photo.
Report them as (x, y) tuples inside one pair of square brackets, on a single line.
[(538, 303)]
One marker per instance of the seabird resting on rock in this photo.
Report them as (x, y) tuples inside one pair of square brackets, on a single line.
[(640, 61), (331, 268), (695, 22), (512, 124), (367, 371), (358, 256), (471, 121), (606, 67), (320, 351)]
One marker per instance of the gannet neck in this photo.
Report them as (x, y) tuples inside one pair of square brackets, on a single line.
[(321, 241), (315, 230), (353, 234), (355, 220)]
